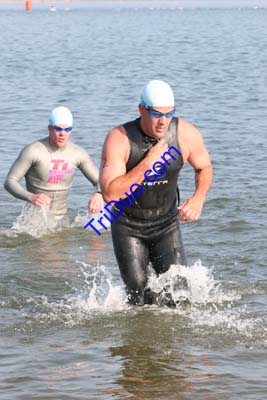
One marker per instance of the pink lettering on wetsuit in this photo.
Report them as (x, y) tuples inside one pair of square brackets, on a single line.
[(58, 171)]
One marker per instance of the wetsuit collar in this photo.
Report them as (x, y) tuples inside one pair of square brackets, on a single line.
[(148, 139)]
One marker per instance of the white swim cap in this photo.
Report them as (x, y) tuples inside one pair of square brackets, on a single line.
[(157, 93), (61, 116)]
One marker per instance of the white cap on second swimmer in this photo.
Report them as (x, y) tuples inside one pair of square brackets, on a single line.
[(61, 116), (157, 93)]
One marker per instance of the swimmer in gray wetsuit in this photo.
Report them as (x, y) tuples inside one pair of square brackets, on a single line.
[(49, 165), (148, 230)]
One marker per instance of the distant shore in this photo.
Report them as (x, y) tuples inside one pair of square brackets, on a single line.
[(86, 1)]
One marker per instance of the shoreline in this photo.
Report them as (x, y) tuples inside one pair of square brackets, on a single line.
[(181, 2), (89, 1), (163, 3)]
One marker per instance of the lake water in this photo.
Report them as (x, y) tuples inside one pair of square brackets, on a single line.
[(66, 332)]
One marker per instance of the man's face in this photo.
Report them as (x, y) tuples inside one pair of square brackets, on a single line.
[(155, 127), (57, 137)]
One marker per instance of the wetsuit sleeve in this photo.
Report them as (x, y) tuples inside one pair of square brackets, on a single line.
[(17, 171), (89, 169)]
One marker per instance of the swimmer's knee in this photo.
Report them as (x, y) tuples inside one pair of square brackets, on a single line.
[(135, 282)]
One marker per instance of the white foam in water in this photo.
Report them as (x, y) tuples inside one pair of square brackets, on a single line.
[(83, 217), (35, 221), (234, 322), (100, 293), (210, 309), (202, 287), (39, 221)]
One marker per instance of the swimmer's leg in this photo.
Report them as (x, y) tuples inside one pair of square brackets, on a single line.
[(167, 249), (132, 255)]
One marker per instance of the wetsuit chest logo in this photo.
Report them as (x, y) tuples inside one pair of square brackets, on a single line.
[(153, 179), (58, 170)]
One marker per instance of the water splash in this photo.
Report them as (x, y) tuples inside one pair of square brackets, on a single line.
[(83, 217), (99, 294), (40, 221), (35, 221), (210, 310), (193, 283), (80, 219)]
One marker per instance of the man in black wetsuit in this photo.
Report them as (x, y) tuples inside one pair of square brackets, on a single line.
[(148, 230)]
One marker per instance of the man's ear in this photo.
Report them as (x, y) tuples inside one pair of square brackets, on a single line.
[(141, 108)]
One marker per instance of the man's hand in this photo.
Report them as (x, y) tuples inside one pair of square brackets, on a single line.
[(40, 200), (96, 203), (156, 152), (191, 209)]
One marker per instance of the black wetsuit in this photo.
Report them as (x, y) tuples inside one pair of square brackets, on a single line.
[(148, 230)]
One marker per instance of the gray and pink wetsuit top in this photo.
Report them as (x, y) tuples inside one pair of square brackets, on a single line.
[(50, 170)]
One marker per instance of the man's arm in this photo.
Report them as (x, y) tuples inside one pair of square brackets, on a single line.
[(17, 171), (114, 180), (89, 169), (197, 155)]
